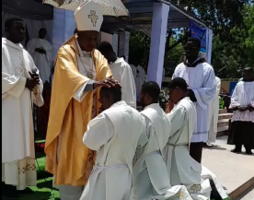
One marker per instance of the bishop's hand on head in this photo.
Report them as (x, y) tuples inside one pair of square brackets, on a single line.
[(108, 82)]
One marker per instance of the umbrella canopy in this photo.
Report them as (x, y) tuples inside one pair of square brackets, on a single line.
[(113, 8)]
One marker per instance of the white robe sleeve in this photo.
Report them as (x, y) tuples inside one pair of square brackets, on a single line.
[(99, 131), (177, 118), (82, 91), (12, 85), (128, 86), (234, 98), (205, 94)]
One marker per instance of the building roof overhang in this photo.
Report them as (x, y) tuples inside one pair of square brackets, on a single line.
[(141, 15)]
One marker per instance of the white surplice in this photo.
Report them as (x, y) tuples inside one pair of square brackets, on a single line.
[(114, 135), (42, 61), (182, 168), (85, 66), (122, 72), (18, 154), (243, 95), (214, 113), (201, 79)]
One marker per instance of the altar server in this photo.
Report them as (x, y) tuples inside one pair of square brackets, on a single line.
[(200, 78), (242, 103), (41, 51)]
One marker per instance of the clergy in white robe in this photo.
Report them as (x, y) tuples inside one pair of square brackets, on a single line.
[(41, 51), (19, 92), (214, 114), (200, 78), (114, 135), (182, 168), (150, 180), (242, 103), (122, 72)]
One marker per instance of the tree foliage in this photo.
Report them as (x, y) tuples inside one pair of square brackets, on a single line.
[(232, 22)]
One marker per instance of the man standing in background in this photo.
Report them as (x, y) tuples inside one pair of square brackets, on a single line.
[(242, 103), (21, 87), (200, 78), (122, 72), (41, 51)]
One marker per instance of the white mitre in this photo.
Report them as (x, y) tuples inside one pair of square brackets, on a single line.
[(88, 17)]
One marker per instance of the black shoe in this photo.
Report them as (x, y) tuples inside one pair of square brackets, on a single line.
[(236, 151), (249, 152), (9, 192)]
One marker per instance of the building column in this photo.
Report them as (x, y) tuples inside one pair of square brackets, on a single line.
[(158, 42), (63, 28), (123, 44)]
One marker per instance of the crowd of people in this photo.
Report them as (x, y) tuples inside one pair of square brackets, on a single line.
[(98, 145)]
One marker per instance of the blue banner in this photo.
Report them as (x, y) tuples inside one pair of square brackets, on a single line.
[(200, 33), (232, 87)]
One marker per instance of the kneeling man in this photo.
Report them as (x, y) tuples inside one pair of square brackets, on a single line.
[(182, 168), (150, 172), (114, 135)]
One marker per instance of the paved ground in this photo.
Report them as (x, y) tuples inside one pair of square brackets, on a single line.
[(231, 169), (249, 196)]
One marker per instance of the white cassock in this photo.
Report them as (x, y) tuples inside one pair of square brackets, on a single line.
[(114, 135), (182, 168), (150, 180), (139, 80), (214, 113), (122, 72), (42, 61), (18, 154), (201, 79)]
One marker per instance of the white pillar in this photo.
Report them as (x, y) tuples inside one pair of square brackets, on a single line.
[(63, 28), (158, 42), (124, 38), (106, 37), (115, 43)]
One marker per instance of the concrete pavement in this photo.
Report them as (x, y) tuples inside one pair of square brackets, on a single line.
[(233, 170)]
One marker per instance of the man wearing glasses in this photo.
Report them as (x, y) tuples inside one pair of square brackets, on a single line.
[(200, 78)]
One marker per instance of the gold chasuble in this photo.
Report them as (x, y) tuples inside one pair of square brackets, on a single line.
[(69, 117)]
